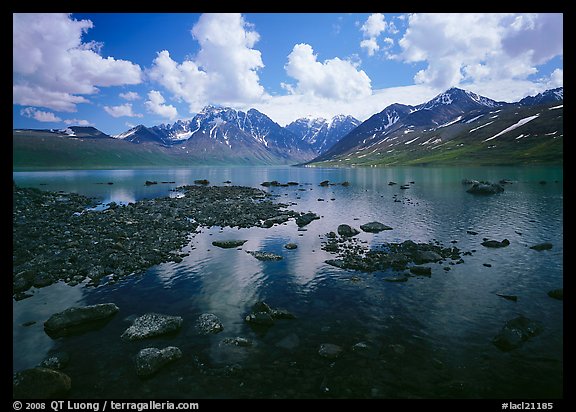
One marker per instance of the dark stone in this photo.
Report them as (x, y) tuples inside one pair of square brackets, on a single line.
[(557, 294), (515, 332), (485, 188), (305, 218), (391, 183), (227, 244), (325, 183), (40, 383), (291, 246), (208, 323), (399, 278), (281, 314), (73, 320), (345, 184), (261, 306), (237, 341), (495, 243), (150, 182), (347, 230), (374, 227), (292, 183), (421, 270), (152, 324), (151, 360), (471, 232), (330, 351), (469, 182), (542, 246), (405, 187), (508, 297), (260, 318), (425, 256), (505, 182), (264, 255), (201, 182)]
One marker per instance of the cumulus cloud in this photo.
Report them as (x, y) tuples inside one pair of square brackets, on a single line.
[(53, 68), (123, 110), (372, 28), (155, 104), (480, 47), (333, 78), (225, 70), (130, 96), (39, 115), (78, 122)]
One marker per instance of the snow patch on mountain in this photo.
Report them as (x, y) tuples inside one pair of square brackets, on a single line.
[(514, 126)]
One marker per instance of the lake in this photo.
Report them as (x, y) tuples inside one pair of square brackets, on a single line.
[(428, 337)]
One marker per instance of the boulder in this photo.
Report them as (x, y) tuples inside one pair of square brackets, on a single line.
[(495, 243), (305, 218), (374, 227), (542, 246), (40, 383), (421, 270), (150, 360), (515, 332), (485, 188), (330, 351), (325, 183), (56, 361), (152, 324), (227, 244), (347, 231), (76, 319), (425, 256), (557, 294), (201, 182), (291, 246), (208, 323), (264, 255)]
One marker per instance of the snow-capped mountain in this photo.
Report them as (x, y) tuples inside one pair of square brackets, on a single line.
[(322, 134), (457, 121), (226, 132)]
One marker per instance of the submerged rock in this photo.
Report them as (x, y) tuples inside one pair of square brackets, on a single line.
[(347, 230), (305, 218), (56, 361), (227, 244), (201, 182), (262, 314), (330, 351), (264, 255), (291, 246), (374, 227), (495, 243), (208, 323), (557, 294), (542, 246), (515, 332), (421, 270), (290, 342), (73, 319), (40, 383), (151, 360), (485, 188), (237, 341), (152, 324)]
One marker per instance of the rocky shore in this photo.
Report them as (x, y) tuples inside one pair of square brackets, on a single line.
[(61, 236)]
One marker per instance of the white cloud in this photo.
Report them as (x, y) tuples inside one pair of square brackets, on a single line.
[(372, 28), (556, 79), (52, 66), (225, 70), (39, 115), (123, 110), (155, 104), (78, 122), (130, 96), (333, 78), (479, 47)]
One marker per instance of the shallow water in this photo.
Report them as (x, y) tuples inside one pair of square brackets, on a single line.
[(425, 338)]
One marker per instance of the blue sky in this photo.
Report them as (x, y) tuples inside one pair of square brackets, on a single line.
[(114, 71)]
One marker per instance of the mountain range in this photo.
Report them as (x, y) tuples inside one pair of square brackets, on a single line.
[(455, 127)]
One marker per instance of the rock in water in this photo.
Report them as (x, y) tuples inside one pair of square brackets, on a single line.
[(347, 231), (208, 323), (485, 188), (374, 227), (557, 294), (305, 218), (227, 244), (150, 360), (515, 332), (421, 270), (330, 351), (495, 243), (40, 383), (73, 319), (152, 324), (291, 246), (542, 246), (264, 255)]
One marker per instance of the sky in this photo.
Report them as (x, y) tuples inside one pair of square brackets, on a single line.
[(114, 71)]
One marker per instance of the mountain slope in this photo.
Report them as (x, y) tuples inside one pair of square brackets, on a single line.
[(456, 127), (322, 134)]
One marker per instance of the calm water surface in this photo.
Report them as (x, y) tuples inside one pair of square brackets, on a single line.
[(425, 338)]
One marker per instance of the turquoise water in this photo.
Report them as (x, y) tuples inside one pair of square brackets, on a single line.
[(425, 338)]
